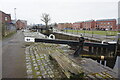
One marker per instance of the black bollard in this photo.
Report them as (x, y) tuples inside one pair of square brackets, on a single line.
[(80, 47)]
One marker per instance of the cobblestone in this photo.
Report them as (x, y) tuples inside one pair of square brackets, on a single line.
[(39, 65)]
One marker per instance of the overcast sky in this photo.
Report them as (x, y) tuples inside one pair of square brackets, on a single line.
[(61, 10)]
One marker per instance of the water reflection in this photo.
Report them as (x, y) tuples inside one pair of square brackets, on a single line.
[(117, 66), (113, 63), (110, 62)]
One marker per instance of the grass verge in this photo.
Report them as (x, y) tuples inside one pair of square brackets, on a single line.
[(9, 35), (108, 33)]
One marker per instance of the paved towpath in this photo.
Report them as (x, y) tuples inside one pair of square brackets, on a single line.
[(13, 57)]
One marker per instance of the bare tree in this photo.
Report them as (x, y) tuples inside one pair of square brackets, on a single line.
[(46, 19)]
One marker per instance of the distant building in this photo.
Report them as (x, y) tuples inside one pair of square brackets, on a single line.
[(5, 18), (103, 24), (88, 25), (7, 26), (61, 26), (21, 24), (77, 25), (64, 26), (106, 24)]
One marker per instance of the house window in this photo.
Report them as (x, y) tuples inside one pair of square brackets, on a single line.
[(108, 22), (6, 19)]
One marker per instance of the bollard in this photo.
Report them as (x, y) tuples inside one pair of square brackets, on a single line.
[(118, 38), (80, 48)]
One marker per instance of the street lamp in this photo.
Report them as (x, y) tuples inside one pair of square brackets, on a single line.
[(72, 30), (15, 18), (15, 13), (92, 33), (106, 33), (84, 32), (77, 30)]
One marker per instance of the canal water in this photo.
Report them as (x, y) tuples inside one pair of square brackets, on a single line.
[(111, 63), (117, 64), (114, 64)]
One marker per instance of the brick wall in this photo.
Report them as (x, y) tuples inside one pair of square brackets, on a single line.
[(109, 24), (88, 25), (5, 18), (64, 25), (21, 24), (104, 24), (77, 25)]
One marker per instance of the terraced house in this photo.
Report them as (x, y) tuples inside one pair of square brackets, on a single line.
[(64, 26), (89, 25), (21, 24), (106, 24), (103, 24), (5, 20), (77, 25)]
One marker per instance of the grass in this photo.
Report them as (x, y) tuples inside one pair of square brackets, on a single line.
[(109, 33), (9, 35)]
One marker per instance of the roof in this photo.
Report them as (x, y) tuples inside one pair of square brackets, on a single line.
[(106, 20), (89, 21), (4, 13), (78, 22), (24, 21)]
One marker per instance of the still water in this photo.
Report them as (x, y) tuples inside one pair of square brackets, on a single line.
[(117, 64)]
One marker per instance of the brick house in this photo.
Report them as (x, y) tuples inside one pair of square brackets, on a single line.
[(106, 24), (77, 25), (88, 25), (21, 24), (5, 21), (60, 26), (5, 18), (64, 25)]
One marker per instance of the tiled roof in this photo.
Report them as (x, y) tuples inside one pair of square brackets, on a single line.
[(89, 21), (106, 20), (79, 22)]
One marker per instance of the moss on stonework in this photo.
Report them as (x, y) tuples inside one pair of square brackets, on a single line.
[(78, 76)]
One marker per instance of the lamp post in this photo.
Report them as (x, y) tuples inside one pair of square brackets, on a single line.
[(15, 13), (77, 30), (84, 32), (92, 33), (15, 18), (106, 33)]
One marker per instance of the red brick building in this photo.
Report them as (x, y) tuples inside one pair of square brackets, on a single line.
[(5, 18), (60, 26), (106, 24), (21, 24), (88, 25), (64, 25), (6, 22), (77, 25)]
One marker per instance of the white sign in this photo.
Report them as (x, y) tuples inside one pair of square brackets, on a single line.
[(112, 42), (29, 39)]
